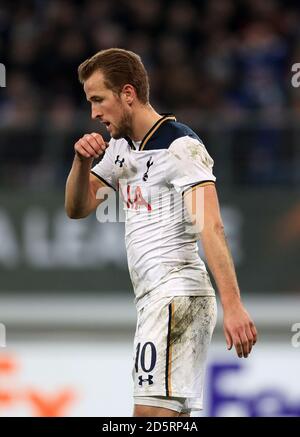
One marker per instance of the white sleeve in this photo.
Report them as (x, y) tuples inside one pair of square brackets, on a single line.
[(190, 164), (104, 169)]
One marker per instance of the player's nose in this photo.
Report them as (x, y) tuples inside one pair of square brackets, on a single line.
[(96, 114)]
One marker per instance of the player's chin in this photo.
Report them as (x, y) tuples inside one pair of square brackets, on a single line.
[(116, 135)]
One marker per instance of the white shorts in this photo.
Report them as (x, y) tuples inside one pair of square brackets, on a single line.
[(170, 348), (181, 405)]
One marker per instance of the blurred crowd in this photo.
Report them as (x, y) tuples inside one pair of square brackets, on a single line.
[(222, 66)]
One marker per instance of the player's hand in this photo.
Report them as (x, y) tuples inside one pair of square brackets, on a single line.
[(90, 146), (239, 330)]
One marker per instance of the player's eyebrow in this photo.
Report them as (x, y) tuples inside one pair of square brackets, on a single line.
[(94, 98)]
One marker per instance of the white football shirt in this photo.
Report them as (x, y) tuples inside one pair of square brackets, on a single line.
[(151, 177)]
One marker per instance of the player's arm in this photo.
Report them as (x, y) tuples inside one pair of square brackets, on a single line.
[(82, 186), (239, 329)]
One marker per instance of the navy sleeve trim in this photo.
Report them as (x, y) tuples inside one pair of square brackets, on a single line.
[(103, 180), (198, 184)]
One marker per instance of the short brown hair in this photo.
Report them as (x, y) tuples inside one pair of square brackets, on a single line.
[(120, 67)]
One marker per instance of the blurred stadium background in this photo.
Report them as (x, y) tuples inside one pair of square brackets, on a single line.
[(224, 68)]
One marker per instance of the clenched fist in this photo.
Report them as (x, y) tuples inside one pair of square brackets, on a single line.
[(90, 146)]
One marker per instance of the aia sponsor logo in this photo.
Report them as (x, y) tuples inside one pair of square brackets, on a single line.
[(133, 197)]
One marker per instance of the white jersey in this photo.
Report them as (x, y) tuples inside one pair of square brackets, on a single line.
[(151, 177)]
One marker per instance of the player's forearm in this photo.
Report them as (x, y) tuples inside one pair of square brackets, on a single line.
[(221, 264), (77, 196)]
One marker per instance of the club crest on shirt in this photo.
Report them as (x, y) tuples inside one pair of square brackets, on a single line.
[(119, 161), (148, 164)]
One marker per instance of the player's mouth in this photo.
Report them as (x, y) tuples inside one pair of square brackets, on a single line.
[(107, 124)]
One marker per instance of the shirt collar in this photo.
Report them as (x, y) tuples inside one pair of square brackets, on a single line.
[(165, 118)]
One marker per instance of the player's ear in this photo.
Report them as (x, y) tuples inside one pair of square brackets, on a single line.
[(129, 93)]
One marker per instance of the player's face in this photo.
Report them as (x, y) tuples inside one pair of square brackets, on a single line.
[(108, 107)]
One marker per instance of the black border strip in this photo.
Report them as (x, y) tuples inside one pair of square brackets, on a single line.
[(139, 425)]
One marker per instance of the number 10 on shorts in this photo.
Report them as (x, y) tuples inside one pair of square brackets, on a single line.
[(145, 361)]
